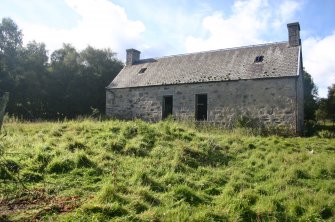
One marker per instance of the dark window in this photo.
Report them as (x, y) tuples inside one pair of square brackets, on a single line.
[(167, 106), (142, 70), (201, 107), (259, 59)]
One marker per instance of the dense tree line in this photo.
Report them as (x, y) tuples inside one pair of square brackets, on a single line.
[(315, 108), (326, 106), (66, 84)]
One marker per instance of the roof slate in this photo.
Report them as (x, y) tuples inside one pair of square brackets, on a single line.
[(280, 60)]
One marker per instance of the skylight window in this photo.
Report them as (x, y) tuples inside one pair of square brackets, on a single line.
[(142, 70), (259, 59)]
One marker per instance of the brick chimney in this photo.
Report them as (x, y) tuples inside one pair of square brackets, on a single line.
[(133, 55), (294, 34)]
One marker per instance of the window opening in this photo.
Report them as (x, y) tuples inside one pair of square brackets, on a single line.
[(142, 70), (259, 59)]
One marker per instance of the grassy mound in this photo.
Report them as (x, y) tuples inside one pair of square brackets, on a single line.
[(167, 171)]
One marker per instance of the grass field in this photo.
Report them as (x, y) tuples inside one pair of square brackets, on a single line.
[(168, 171)]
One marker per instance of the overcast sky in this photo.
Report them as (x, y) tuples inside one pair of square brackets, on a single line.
[(167, 27)]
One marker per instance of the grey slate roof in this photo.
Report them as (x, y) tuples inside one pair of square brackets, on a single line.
[(280, 60)]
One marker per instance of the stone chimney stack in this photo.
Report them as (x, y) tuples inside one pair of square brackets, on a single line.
[(294, 34), (133, 55)]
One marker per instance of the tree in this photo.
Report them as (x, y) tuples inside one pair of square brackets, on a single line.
[(321, 113), (31, 92), (10, 42), (331, 103), (99, 68), (71, 84), (310, 96), (3, 102)]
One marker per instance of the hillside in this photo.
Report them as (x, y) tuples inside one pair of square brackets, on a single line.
[(136, 171)]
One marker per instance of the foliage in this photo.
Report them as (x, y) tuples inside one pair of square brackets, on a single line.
[(167, 171), (321, 113), (3, 103), (331, 103), (71, 84), (310, 96), (326, 107)]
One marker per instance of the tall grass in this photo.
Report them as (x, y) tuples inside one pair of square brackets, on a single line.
[(167, 171)]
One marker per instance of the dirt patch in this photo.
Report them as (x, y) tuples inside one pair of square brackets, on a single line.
[(34, 205)]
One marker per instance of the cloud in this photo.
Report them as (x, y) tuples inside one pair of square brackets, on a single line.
[(249, 23), (101, 24), (285, 13), (259, 21), (319, 61)]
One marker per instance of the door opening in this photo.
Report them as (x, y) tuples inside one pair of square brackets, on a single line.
[(167, 106), (201, 107)]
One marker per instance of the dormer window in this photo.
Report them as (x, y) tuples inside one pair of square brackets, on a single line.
[(142, 70), (259, 59)]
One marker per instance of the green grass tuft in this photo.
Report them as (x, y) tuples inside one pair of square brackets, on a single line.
[(167, 171), (188, 195)]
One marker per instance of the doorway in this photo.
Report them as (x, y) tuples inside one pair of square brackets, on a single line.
[(201, 107), (167, 106)]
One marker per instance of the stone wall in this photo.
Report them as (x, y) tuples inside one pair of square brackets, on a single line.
[(273, 101)]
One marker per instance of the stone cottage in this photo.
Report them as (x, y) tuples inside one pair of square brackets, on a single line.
[(259, 81)]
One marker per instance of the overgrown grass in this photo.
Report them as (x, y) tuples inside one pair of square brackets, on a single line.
[(168, 171)]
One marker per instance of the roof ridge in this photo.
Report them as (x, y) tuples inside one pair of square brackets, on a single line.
[(217, 50)]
